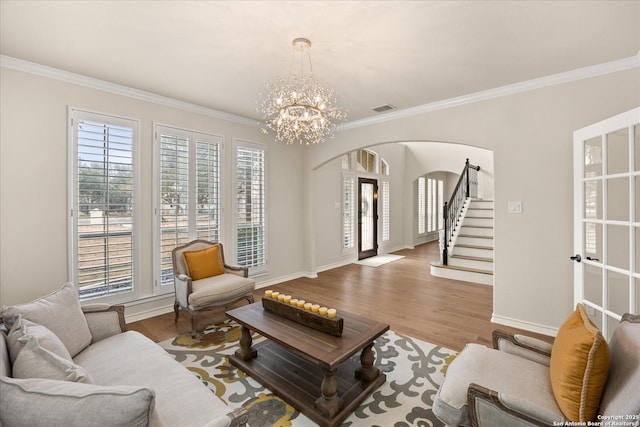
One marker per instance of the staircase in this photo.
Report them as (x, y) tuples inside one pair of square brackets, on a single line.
[(470, 250)]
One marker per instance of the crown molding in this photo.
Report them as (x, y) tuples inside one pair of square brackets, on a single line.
[(78, 79), (542, 82), (554, 79)]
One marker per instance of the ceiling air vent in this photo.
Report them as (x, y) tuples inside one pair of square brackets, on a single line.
[(383, 108)]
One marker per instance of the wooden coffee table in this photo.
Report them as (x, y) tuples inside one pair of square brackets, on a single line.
[(311, 370)]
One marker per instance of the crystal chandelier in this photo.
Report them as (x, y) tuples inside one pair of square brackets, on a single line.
[(300, 109)]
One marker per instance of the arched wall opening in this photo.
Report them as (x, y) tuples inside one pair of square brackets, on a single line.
[(407, 160)]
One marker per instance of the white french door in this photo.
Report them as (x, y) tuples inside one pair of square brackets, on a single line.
[(607, 218)]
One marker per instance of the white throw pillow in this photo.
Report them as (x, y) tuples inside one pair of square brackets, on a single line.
[(34, 361), (47, 339)]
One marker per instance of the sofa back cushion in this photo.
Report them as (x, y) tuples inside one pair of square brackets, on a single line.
[(579, 366), (60, 312), (621, 394)]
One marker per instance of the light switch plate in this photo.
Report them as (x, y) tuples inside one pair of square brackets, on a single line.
[(514, 207)]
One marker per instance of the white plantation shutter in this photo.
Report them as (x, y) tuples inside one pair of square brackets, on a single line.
[(348, 211), (208, 190), (421, 205), (250, 209), (385, 211), (103, 200), (188, 194)]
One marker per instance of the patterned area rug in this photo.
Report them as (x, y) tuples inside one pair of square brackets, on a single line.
[(414, 371)]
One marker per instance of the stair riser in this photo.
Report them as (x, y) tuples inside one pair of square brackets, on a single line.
[(483, 213), (482, 222), (470, 263), (483, 205), (476, 241), (467, 276), (483, 253), (476, 231)]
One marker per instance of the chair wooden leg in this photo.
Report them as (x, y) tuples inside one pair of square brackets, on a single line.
[(176, 309), (194, 329)]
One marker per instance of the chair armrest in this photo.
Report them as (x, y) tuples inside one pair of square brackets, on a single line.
[(488, 408), (521, 345), (183, 287), (235, 269), (104, 320)]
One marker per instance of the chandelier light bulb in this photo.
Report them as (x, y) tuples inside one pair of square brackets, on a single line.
[(299, 109)]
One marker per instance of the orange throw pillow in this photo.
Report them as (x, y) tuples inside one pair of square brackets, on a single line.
[(204, 263), (579, 367)]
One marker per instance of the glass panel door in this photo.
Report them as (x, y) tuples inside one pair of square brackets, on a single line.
[(606, 218), (367, 218)]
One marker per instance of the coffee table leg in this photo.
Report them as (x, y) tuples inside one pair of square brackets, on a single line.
[(246, 352), (329, 403), (367, 372)]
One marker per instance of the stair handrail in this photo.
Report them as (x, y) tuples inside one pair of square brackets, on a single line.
[(466, 187)]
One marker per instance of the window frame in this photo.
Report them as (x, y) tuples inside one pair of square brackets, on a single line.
[(260, 269), (75, 116), (192, 137)]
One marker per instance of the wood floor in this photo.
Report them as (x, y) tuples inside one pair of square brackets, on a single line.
[(402, 293)]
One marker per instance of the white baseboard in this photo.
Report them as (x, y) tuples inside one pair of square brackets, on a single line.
[(153, 312), (527, 326)]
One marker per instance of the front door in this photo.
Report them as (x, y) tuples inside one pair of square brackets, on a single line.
[(367, 218), (607, 219)]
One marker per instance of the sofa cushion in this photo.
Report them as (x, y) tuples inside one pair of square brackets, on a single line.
[(579, 366), (181, 398), (219, 289), (61, 313), (505, 373), (69, 404), (621, 391), (34, 361), (24, 328), (204, 263)]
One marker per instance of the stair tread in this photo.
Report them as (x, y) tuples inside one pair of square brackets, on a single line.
[(479, 217), (462, 245), (475, 236), (472, 258), (471, 270), (477, 226), (479, 209)]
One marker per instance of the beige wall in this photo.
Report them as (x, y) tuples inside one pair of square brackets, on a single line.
[(530, 134), (33, 190)]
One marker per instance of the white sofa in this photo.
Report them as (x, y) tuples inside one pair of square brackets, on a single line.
[(61, 364)]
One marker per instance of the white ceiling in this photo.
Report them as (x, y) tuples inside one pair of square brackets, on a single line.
[(219, 54)]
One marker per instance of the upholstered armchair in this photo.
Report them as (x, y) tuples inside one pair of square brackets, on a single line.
[(523, 381), (203, 281)]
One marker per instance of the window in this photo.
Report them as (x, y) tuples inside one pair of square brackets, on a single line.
[(187, 196), (348, 211), (103, 202), (385, 211), (366, 161), (421, 205), (346, 161), (435, 204), (250, 209), (384, 167)]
